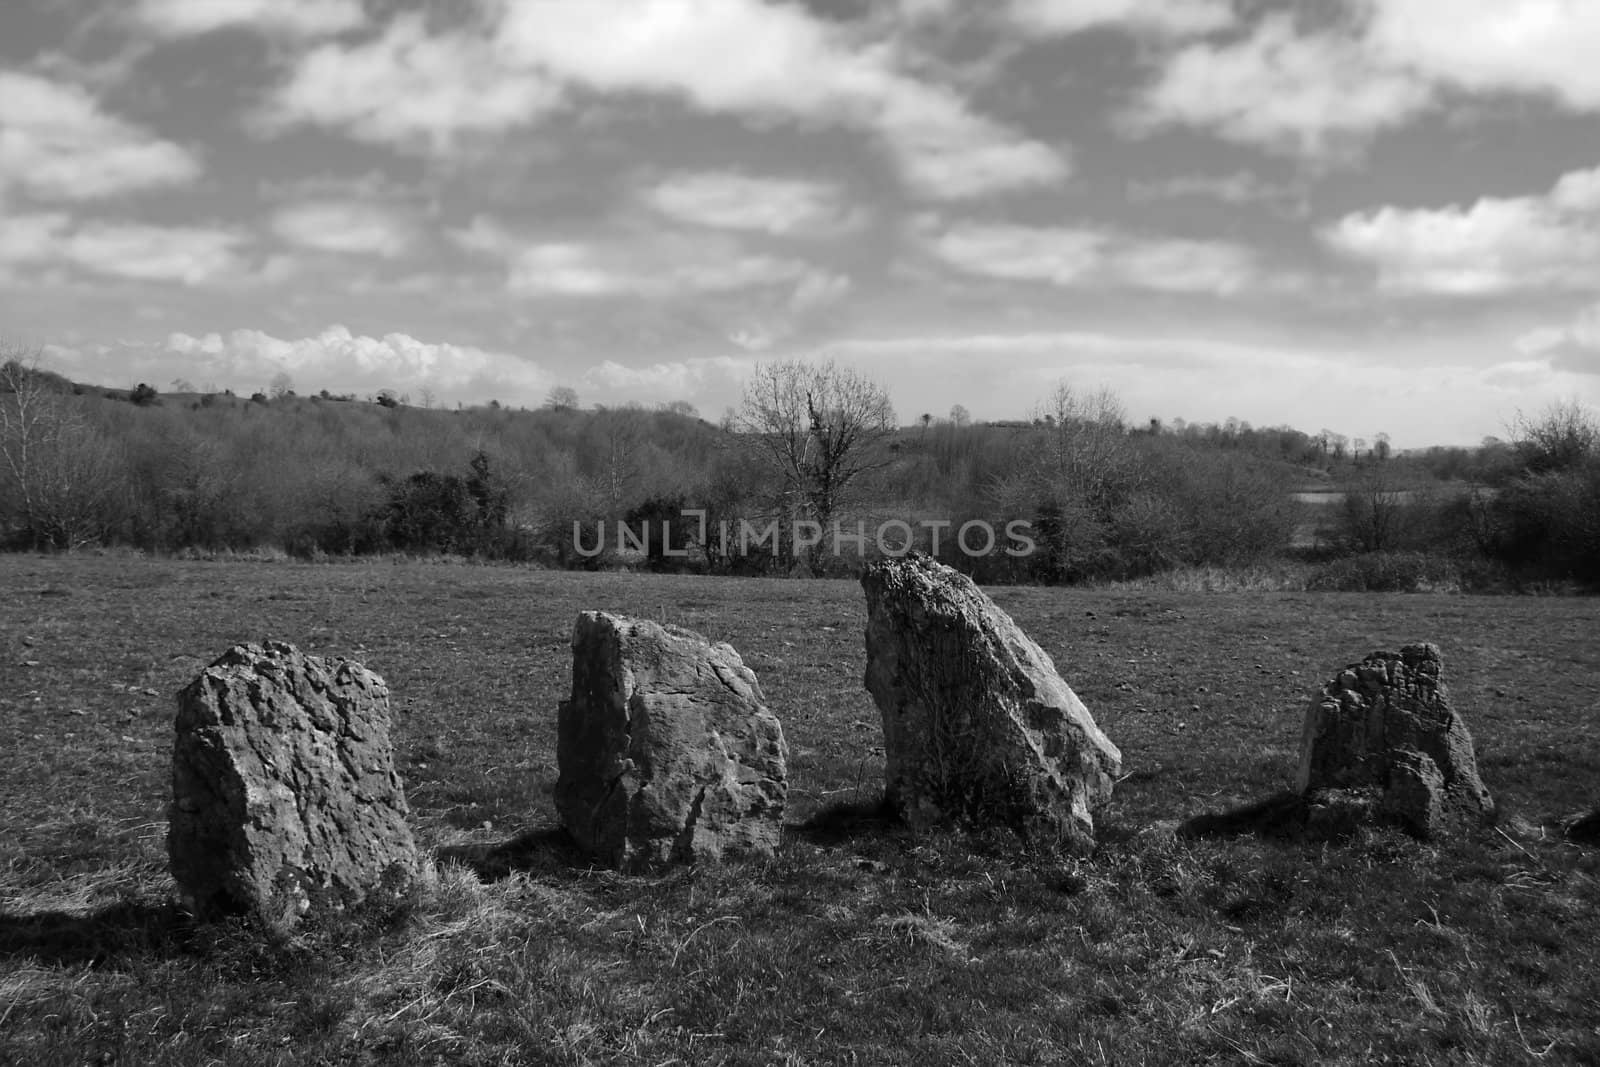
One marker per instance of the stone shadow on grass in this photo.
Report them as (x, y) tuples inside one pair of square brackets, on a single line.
[(548, 851), (127, 929), (1282, 815), (849, 820)]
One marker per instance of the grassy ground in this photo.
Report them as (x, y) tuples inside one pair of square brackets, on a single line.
[(856, 944)]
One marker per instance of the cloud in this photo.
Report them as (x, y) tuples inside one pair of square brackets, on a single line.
[(730, 200), (1090, 256), (299, 18), (191, 255), (1176, 18), (56, 143), (646, 263), (679, 378), (1545, 47), (944, 151), (1494, 245), (1320, 94), (344, 226), (409, 88), (1574, 346), (734, 57), (751, 57), (340, 361), (1240, 187)]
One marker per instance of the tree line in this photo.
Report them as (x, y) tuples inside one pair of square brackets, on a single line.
[(812, 447)]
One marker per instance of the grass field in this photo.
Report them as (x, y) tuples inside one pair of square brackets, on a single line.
[(857, 944)]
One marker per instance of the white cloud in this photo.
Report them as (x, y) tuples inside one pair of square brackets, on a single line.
[(1087, 256), (1318, 94), (1057, 255), (340, 361), (56, 143), (410, 88), (730, 200), (301, 18), (1171, 17), (1573, 346), (1240, 187), (192, 255), (678, 378), (1531, 46), (740, 57), (1495, 245), (344, 226), (647, 263), (945, 151), (750, 57)]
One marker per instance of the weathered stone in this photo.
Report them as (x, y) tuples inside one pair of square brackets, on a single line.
[(666, 749), (977, 724), (1383, 730), (285, 799)]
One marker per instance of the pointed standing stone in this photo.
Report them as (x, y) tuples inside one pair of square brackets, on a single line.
[(977, 724)]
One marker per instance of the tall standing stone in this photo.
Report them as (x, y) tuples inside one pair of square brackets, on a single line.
[(666, 749), (285, 799), (977, 724), (1380, 741)]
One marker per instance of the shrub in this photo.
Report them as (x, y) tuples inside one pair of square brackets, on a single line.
[(1386, 572)]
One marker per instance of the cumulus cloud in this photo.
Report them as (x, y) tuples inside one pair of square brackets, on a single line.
[(694, 377), (1323, 89), (1573, 346), (731, 200), (410, 88), (300, 18), (1086, 256), (644, 263), (340, 362), (58, 143), (419, 89), (1319, 94), (1545, 47), (1178, 18), (191, 255), (1494, 245), (345, 226)]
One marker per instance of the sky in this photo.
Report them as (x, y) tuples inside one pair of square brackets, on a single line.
[(1361, 215)]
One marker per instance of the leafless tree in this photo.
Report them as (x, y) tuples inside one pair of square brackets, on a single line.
[(562, 398), (1560, 437), (58, 473), (819, 427)]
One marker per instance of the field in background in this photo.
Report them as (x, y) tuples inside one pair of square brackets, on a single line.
[(857, 944)]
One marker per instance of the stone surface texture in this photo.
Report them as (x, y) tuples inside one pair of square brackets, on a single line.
[(977, 724), (285, 798), (1381, 742), (666, 748)]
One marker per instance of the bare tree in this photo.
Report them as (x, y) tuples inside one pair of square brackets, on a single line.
[(58, 473), (1376, 510), (818, 426), (282, 385), (562, 398), (1087, 453), (959, 415), (1561, 437)]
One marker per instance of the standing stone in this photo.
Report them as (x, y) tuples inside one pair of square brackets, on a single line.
[(666, 749), (1381, 742), (977, 723), (285, 798)]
